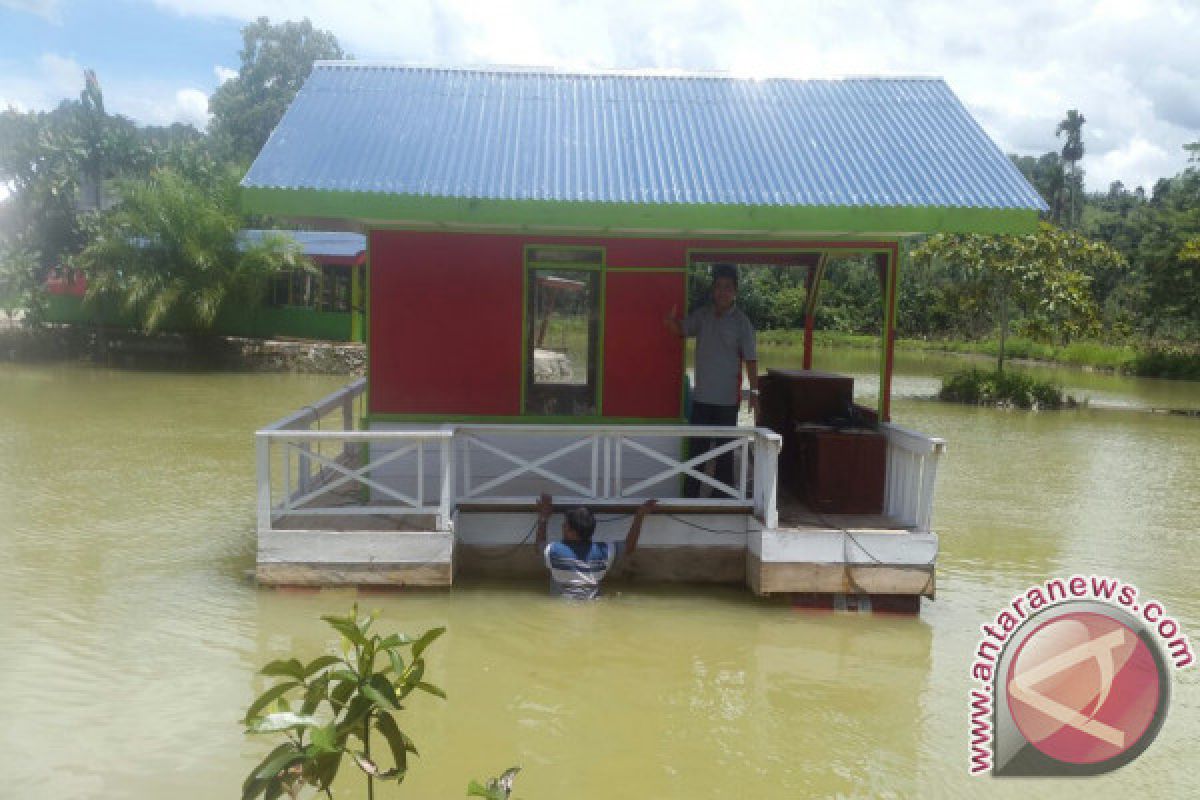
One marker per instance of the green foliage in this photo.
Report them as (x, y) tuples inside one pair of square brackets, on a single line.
[(275, 61), (20, 290), (496, 788), (1014, 389), (169, 253), (1168, 360), (1045, 275), (334, 705)]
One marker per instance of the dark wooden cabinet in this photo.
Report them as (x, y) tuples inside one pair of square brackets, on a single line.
[(841, 472), (833, 460)]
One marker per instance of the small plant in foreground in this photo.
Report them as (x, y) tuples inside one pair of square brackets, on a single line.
[(497, 788), (321, 707)]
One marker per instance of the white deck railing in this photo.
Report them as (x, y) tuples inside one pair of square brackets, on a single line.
[(306, 468), (912, 462), (313, 464)]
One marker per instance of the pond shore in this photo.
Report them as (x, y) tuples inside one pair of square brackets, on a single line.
[(1149, 359), (132, 349)]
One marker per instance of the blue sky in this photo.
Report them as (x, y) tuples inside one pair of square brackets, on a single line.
[(1131, 67)]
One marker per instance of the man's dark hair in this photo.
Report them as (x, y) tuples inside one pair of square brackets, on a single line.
[(725, 271), (582, 522)]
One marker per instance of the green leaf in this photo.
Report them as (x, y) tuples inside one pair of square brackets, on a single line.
[(324, 740), (396, 740), (412, 676), (318, 664), (426, 639), (268, 697), (323, 769), (292, 668), (475, 789), (395, 640), (344, 675), (378, 698), (348, 629), (397, 662), (314, 696), (431, 689), (282, 721), (341, 694), (359, 707), (254, 785), (270, 769)]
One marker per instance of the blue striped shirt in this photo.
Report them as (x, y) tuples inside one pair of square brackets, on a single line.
[(578, 567)]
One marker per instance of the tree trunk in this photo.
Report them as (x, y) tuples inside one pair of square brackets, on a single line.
[(1003, 328)]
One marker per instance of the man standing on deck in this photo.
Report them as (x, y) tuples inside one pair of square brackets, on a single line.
[(577, 564), (724, 341)]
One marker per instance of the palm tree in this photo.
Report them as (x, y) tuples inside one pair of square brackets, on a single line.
[(1072, 152), (169, 253)]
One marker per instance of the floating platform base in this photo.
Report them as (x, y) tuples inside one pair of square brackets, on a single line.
[(826, 559)]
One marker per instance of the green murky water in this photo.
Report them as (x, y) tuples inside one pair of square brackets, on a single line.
[(129, 638)]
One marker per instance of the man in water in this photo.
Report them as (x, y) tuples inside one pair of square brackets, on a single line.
[(577, 564), (724, 342)]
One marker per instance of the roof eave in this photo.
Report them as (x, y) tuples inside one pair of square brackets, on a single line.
[(373, 208)]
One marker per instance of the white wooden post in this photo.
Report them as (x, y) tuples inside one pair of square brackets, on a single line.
[(745, 466), (305, 465), (446, 508), (608, 446), (928, 481), (262, 448), (766, 457), (420, 495), (349, 449)]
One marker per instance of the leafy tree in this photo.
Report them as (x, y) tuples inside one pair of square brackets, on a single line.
[(339, 698), (1047, 175), (1072, 152), (169, 252), (19, 287), (1044, 274), (276, 59)]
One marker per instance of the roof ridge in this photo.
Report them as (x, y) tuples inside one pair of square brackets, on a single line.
[(608, 72)]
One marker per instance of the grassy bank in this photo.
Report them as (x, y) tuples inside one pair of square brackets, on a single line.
[(1149, 359)]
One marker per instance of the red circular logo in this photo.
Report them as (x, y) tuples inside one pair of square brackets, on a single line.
[(1083, 688)]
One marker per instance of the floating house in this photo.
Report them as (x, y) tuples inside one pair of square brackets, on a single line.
[(528, 231), (326, 303)]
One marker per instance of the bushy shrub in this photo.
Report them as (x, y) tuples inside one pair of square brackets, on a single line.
[(1009, 389)]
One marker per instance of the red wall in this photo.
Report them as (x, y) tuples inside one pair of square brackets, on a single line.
[(643, 361), (445, 321)]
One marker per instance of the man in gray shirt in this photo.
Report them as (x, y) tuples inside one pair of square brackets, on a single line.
[(724, 342)]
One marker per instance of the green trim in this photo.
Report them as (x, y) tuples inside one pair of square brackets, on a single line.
[(617, 218), (623, 270), (523, 419), (367, 324)]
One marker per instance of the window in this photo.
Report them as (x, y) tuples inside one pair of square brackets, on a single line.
[(562, 319)]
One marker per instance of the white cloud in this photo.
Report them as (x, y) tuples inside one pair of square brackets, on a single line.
[(224, 74), (49, 10), (52, 79), (56, 78)]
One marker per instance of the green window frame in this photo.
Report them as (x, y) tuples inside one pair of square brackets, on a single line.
[(562, 331)]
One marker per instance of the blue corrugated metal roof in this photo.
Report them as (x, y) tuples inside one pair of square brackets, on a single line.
[(634, 138), (339, 244)]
